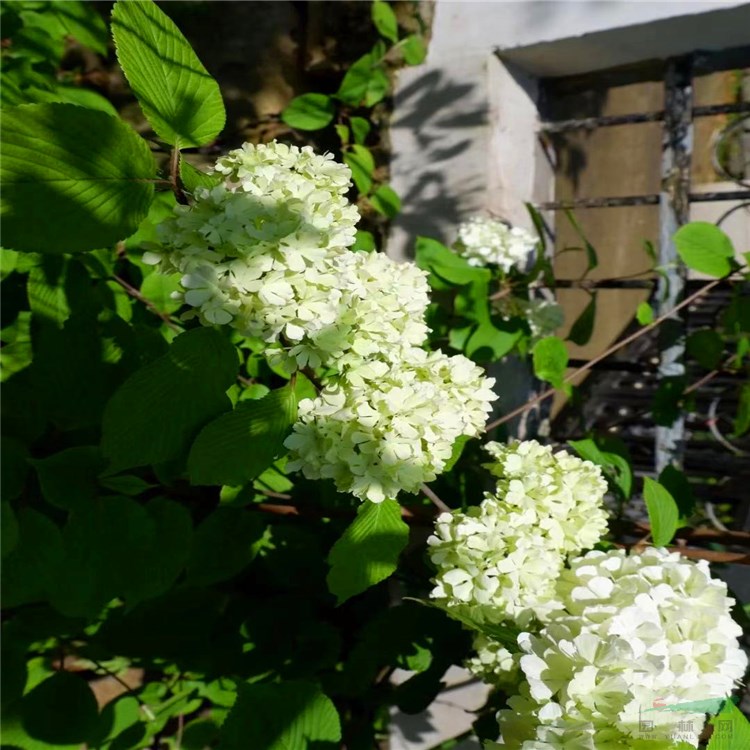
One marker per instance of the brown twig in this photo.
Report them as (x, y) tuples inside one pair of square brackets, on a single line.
[(544, 395), (133, 292), (436, 501)]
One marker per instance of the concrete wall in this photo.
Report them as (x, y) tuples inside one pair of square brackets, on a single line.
[(463, 132)]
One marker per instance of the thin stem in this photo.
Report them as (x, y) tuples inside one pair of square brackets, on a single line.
[(174, 176), (544, 395), (436, 501), (146, 709), (133, 292)]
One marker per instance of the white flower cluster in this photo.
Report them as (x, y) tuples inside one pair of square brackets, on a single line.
[(493, 663), (499, 560), (384, 427), (266, 251), (492, 242), (634, 632)]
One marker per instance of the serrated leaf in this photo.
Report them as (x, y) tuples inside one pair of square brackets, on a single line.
[(385, 200), (29, 571), (706, 346), (703, 247), (184, 389), (644, 313), (663, 513), (368, 550), (385, 20), (69, 478), (72, 178), (550, 358), (223, 545), (238, 446), (82, 21), (61, 710), (583, 327), (309, 112), (731, 729), (177, 94), (414, 49), (292, 715)]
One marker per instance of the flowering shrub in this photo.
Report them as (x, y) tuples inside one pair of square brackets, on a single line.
[(184, 351), (492, 242)]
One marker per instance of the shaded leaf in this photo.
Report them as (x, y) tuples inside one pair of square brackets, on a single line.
[(706, 346), (360, 129), (385, 200), (583, 327), (69, 478), (185, 388), (72, 178), (368, 550), (360, 161), (293, 715), (240, 445)]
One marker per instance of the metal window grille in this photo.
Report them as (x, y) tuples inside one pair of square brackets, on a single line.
[(622, 388)]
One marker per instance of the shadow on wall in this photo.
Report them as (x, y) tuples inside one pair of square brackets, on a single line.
[(437, 119)]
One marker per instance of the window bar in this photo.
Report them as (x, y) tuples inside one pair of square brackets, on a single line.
[(650, 199), (674, 209)]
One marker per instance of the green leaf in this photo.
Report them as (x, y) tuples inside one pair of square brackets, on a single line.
[(446, 265), (309, 112), (184, 389), (126, 484), (29, 571), (414, 49), (617, 468), (342, 131), (663, 513), (731, 729), (9, 529), (364, 242), (72, 178), (581, 330), (707, 347), (61, 710), (644, 313), (292, 715), (742, 418), (69, 478), (365, 81), (550, 358), (238, 446), (592, 261), (385, 20), (368, 550), (14, 467), (178, 96), (360, 161), (458, 448), (158, 288), (193, 178), (705, 248), (677, 484), (487, 343), (385, 200), (360, 128), (82, 21), (16, 353), (223, 545)]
